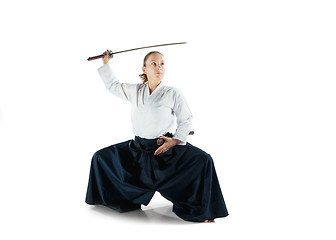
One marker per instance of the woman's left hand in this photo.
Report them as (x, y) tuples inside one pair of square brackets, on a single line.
[(168, 143)]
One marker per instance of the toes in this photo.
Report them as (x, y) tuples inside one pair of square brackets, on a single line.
[(209, 220)]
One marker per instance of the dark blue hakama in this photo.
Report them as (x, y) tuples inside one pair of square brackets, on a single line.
[(125, 175)]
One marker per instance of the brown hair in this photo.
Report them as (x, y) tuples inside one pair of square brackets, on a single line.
[(144, 76)]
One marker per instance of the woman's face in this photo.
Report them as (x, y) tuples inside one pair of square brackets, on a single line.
[(155, 68)]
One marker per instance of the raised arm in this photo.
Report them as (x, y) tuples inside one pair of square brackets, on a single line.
[(122, 90)]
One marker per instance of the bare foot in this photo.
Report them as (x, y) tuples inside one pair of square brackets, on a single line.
[(209, 220)]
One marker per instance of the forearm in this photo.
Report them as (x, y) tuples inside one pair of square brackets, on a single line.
[(183, 128)]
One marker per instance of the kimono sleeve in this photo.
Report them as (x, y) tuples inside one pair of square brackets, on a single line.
[(183, 117), (121, 90)]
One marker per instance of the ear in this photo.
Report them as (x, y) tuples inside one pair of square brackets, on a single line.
[(144, 70)]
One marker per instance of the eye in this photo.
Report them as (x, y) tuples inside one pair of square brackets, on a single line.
[(153, 64)]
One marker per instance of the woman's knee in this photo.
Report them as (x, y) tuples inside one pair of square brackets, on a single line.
[(202, 155), (97, 156)]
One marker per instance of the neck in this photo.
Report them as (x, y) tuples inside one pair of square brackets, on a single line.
[(153, 85)]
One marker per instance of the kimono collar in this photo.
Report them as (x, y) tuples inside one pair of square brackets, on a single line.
[(156, 89)]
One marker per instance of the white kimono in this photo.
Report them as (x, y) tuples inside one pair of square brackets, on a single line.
[(152, 114)]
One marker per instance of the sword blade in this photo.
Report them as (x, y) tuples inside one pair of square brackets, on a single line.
[(133, 49), (160, 45)]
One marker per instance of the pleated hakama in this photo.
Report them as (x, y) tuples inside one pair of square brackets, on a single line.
[(125, 175)]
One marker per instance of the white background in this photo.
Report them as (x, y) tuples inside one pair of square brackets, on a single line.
[(259, 77)]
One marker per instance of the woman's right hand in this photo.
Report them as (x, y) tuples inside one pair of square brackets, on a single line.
[(106, 57)]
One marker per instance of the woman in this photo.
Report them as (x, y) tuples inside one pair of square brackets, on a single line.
[(125, 175)]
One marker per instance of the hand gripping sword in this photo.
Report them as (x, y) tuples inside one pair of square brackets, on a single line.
[(128, 50)]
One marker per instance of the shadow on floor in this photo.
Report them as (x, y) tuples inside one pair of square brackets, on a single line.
[(159, 215)]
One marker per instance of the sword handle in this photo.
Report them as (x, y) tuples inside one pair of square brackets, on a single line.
[(100, 56), (95, 57)]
